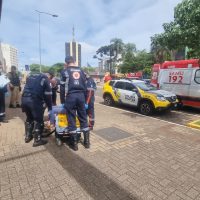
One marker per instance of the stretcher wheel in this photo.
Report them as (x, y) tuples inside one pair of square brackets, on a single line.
[(59, 141)]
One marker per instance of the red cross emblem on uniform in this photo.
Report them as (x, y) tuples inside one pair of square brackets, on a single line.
[(76, 75)]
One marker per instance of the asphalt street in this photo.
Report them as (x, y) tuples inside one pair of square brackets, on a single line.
[(179, 117)]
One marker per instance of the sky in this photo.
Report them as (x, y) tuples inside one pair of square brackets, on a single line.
[(95, 22)]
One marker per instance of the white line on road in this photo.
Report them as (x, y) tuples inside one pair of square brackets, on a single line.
[(146, 116)]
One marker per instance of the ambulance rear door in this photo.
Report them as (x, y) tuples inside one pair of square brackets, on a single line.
[(176, 80), (194, 91)]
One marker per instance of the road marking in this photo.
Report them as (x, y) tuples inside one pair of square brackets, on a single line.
[(120, 109)]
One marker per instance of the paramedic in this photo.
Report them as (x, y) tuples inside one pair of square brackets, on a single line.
[(37, 91), (75, 90), (62, 85), (90, 98)]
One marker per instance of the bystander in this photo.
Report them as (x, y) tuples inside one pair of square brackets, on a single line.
[(15, 88)]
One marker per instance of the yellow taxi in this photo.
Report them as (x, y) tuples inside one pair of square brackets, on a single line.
[(139, 94)]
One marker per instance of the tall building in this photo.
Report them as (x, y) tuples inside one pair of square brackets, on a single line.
[(10, 55), (73, 49), (2, 61)]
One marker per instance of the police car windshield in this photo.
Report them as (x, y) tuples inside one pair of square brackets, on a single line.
[(144, 86)]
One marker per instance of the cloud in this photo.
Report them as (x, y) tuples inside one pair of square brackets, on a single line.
[(96, 22)]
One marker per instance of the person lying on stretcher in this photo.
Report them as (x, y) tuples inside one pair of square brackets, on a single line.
[(58, 118)]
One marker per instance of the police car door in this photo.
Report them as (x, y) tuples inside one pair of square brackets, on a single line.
[(131, 95), (119, 90)]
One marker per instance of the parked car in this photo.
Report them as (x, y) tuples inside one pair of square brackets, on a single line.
[(138, 94), (147, 81)]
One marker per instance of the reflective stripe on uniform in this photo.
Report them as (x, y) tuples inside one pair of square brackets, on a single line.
[(91, 89), (47, 93), (72, 132), (42, 81), (85, 129), (62, 82)]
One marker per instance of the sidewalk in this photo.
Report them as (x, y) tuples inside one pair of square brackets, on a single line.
[(149, 160)]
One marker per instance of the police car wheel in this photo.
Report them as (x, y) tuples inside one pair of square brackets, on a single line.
[(108, 101), (146, 108)]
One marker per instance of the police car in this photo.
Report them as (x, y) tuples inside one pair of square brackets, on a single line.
[(139, 94)]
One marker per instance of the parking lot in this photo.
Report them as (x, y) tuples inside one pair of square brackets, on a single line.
[(131, 157)]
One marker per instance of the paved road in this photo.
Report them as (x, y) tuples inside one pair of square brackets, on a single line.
[(181, 117), (131, 157)]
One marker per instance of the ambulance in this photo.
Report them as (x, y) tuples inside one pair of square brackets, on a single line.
[(180, 77)]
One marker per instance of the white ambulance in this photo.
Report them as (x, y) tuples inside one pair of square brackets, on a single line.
[(180, 77)]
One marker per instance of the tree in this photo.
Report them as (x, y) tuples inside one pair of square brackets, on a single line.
[(103, 51), (57, 68), (111, 52), (88, 69), (137, 61), (35, 68), (117, 48), (159, 48), (132, 60), (128, 57), (187, 18), (183, 32)]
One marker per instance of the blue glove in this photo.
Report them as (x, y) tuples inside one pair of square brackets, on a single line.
[(86, 106)]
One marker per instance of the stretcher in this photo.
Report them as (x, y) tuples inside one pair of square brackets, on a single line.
[(58, 124)]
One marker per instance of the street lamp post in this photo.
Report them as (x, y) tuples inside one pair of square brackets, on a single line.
[(19, 59), (40, 12)]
